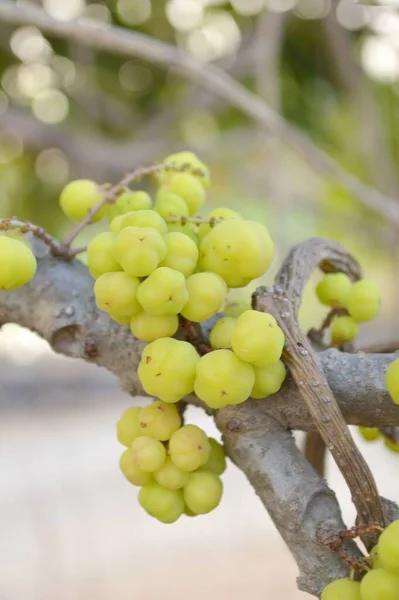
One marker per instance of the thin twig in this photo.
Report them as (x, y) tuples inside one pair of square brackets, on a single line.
[(110, 196), (128, 43), (56, 247)]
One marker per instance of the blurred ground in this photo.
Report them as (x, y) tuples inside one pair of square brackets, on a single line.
[(70, 525)]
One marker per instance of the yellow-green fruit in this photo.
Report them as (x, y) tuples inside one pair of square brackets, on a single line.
[(221, 332), (388, 548), (370, 434), (170, 476), (167, 369), (237, 250), (161, 503), (343, 330), (148, 454), (257, 338), (168, 204), (17, 264), (268, 380), (364, 301), (128, 202), (139, 250), (181, 253), (19, 237), (189, 448), (379, 584), (116, 224), (100, 254), (344, 589), (163, 293), (188, 229), (145, 218), (128, 426), (148, 328), (217, 215), (159, 420), (393, 446), (206, 293), (184, 159), (120, 319), (392, 380), (373, 559), (131, 471), (203, 492), (235, 308), (334, 289), (116, 294), (189, 188), (216, 462), (222, 379), (79, 197)]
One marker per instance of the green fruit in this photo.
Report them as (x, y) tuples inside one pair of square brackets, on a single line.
[(392, 380), (160, 502), (334, 289), (343, 330), (189, 448), (17, 264), (170, 476), (203, 492), (364, 301), (131, 471), (128, 426), (159, 420), (79, 197)]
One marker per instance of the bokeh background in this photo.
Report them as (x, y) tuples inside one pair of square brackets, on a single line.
[(70, 525)]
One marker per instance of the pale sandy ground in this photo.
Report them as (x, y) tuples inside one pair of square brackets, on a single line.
[(70, 527)]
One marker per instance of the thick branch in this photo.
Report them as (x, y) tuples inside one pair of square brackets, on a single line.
[(129, 43), (297, 499)]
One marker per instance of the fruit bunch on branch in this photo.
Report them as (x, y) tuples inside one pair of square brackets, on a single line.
[(152, 306)]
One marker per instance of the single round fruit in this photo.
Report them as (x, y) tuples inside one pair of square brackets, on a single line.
[(333, 290), (188, 229), (79, 197), (268, 380), (159, 420), (222, 379), (184, 159), (129, 201), (391, 380), (128, 426), (257, 338), (139, 250), (203, 492), (238, 251), (160, 502), (163, 293), (190, 188), (216, 462), (17, 264), (342, 589), (116, 293), (189, 448), (221, 332), (148, 328), (181, 253), (170, 205), (170, 476), (343, 330), (148, 454), (131, 471), (100, 254), (145, 218), (215, 217), (364, 301), (379, 584), (388, 548), (206, 293), (167, 369), (370, 434)]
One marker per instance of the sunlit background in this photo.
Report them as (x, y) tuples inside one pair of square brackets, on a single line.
[(70, 525)]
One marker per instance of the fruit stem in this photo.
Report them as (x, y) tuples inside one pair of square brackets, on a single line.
[(56, 247)]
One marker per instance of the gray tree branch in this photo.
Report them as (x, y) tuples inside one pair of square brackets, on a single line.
[(129, 43)]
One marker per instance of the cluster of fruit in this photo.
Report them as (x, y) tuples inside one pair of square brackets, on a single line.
[(18, 263), (381, 582), (177, 466), (361, 301)]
